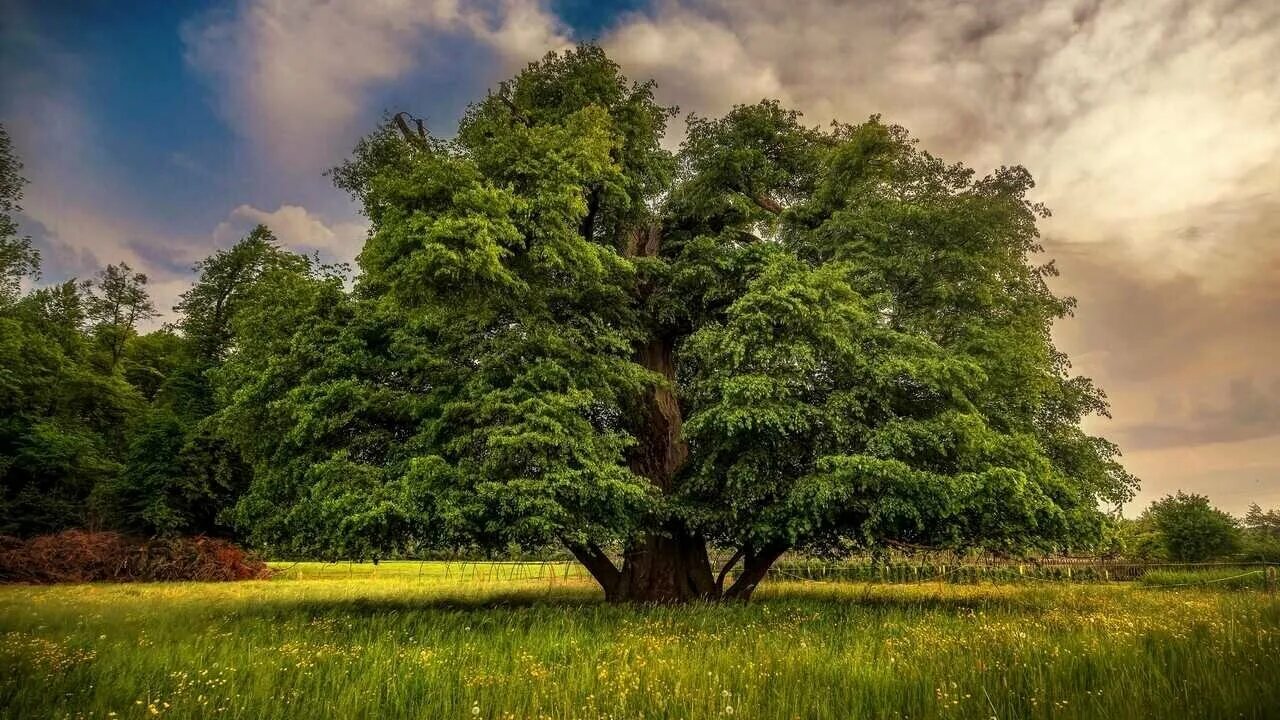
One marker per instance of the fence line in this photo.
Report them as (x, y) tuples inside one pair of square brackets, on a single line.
[(909, 572), (903, 571)]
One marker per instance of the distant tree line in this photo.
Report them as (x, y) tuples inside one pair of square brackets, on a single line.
[(101, 425), (1186, 527)]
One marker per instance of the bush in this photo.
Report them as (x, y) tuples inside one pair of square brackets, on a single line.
[(82, 556), (1190, 529)]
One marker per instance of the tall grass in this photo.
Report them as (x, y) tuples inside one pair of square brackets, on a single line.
[(409, 640), (1227, 578)]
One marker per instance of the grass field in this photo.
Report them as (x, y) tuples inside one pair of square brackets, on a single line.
[(427, 641)]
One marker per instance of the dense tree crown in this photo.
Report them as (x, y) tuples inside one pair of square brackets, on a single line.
[(779, 337)]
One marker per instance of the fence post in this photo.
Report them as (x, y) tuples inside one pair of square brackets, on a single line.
[(1271, 579)]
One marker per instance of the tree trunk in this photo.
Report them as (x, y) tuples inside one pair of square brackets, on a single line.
[(754, 568), (668, 564)]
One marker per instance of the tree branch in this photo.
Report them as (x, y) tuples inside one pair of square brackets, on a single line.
[(588, 226), (515, 111), (724, 571), (767, 203), (754, 569), (596, 563), (904, 545), (418, 138)]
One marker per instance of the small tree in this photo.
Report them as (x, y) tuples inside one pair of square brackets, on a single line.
[(119, 301), (1261, 536), (18, 259), (1190, 529), (224, 279), (1263, 523)]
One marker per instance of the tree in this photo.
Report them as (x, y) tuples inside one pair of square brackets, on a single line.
[(1261, 533), (119, 301), (63, 421), (224, 278), (1263, 523), (17, 258), (1190, 529), (100, 425), (178, 476), (779, 338)]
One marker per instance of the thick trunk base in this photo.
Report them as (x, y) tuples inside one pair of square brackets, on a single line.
[(672, 567)]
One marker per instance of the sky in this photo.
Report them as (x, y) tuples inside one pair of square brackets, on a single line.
[(157, 132)]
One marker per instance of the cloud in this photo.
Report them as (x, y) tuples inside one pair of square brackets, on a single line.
[(1185, 361), (295, 228), (1251, 410), (59, 260), (1140, 120), (293, 76)]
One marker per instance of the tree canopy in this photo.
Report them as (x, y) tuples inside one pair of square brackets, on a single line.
[(779, 337)]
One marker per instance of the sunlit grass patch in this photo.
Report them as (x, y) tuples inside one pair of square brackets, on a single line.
[(410, 641)]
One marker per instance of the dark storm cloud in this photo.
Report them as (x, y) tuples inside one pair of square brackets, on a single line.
[(1248, 410)]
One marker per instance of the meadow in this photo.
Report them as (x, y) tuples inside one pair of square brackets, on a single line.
[(433, 640)]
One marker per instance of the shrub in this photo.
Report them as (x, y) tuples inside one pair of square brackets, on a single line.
[(83, 556)]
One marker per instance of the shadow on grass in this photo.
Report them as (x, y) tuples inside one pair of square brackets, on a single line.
[(828, 602), (464, 602)]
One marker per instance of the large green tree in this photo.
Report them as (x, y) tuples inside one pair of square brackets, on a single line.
[(778, 338)]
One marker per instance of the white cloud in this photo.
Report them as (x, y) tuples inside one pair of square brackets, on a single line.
[(1140, 120), (295, 228), (293, 75)]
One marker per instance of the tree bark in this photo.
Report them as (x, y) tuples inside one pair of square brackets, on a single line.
[(755, 566), (668, 563), (598, 564)]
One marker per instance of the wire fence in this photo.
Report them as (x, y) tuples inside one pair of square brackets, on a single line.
[(1072, 570), (795, 568)]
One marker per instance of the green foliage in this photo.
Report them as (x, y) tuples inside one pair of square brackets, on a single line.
[(1190, 529), (855, 333), (1260, 539), (210, 306), (102, 426), (17, 258), (62, 420), (116, 303)]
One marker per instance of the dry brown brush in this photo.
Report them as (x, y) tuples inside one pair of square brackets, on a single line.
[(84, 556)]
